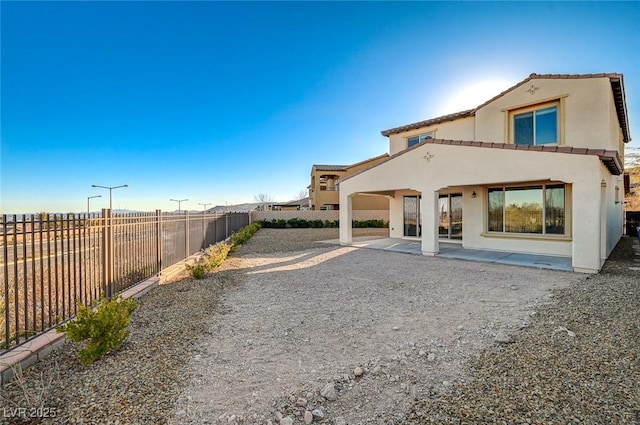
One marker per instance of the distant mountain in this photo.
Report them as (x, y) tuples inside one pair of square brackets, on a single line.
[(235, 208)]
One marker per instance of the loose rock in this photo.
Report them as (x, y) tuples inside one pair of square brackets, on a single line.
[(329, 392), (503, 338), (317, 414), (308, 417)]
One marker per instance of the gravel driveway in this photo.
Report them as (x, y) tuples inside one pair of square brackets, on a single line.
[(382, 328)]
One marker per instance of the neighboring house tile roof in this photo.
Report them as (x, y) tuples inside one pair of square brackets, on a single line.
[(323, 167), (617, 86), (609, 158), (368, 160), (298, 203)]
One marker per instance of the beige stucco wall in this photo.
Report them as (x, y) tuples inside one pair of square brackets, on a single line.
[(588, 117), (366, 202), (466, 167), (460, 129)]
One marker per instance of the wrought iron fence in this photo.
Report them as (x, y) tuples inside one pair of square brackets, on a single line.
[(51, 263)]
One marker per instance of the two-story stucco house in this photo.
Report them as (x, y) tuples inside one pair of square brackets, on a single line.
[(537, 169), (325, 186)]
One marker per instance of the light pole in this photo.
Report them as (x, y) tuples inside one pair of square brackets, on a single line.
[(91, 197), (179, 201), (204, 206), (110, 189)]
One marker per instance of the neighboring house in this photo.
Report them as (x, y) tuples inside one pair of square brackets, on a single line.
[(324, 187), (299, 205), (537, 169)]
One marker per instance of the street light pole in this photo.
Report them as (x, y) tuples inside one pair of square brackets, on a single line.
[(110, 189), (179, 201), (91, 197), (204, 206)]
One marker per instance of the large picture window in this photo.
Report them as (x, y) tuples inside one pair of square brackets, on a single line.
[(536, 126), (536, 209)]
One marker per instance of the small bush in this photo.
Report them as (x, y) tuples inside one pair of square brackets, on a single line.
[(212, 258), (368, 223), (104, 328), (244, 234), (198, 271), (216, 254)]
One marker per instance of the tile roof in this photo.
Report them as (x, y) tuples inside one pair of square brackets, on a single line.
[(329, 167), (609, 158), (324, 167), (300, 202), (617, 86), (431, 121)]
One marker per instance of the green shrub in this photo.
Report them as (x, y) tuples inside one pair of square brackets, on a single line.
[(199, 271), (104, 327), (368, 223), (216, 254), (274, 224), (243, 235), (213, 257)]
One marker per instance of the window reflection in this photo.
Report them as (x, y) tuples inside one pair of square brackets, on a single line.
[(523, 210), (532, 209)]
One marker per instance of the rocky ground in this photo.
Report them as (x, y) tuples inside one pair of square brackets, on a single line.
[(292, 331), (578, 362)]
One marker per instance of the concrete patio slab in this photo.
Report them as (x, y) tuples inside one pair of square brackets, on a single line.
[(456, 251)]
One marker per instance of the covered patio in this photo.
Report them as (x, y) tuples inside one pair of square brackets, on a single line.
[(456, 251)]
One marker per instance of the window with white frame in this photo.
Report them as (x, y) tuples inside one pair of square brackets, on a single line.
[(414, 140), (536, 125), (538, 209)]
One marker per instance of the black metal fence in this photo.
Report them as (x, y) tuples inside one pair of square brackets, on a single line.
[(51, 263), (633, 222)]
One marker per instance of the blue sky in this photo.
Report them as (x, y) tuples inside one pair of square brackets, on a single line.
[(217, 102)]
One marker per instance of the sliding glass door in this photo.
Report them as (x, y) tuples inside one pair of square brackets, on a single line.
[(412, 216), (450, 216)]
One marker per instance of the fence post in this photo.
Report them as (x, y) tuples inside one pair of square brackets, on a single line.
[(226, 225), (186, 234), (204, 231), (158, 241), (107, 253)]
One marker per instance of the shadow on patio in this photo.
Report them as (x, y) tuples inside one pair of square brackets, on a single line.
[(456, 251)]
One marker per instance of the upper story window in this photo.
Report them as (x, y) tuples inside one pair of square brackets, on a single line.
[(414, 140), (536, 125)]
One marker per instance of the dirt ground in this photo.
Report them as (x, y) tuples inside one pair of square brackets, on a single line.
[(381, 328)]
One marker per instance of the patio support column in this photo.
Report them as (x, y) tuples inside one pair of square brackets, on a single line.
[(586, 213), (346, 217), (429, 209)]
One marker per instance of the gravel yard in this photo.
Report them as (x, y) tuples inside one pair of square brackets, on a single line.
[(399, 339)]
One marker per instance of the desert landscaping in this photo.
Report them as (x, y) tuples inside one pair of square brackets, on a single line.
[(293, 331)]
